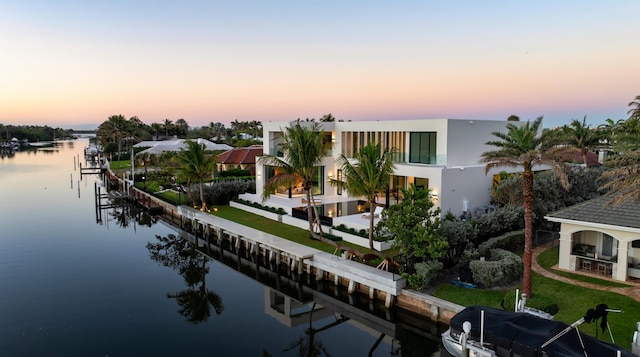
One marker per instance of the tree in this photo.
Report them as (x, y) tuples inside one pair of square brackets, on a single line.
[(113, 130), (368, 174), (182, 127), (155, 128), (607, 131), (634, 112), (581, 136), (328, 117), (303, 151), (415, 226), (513, 117), (197, 166), (168, 124), (523, 146), (622, 178)]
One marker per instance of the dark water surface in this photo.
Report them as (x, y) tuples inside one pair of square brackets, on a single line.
[(70, 286)]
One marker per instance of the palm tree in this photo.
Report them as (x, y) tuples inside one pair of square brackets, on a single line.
[(196, 165), (113, 130), (303, 150), (634, 112), (580, 135), (523, 146), (182, 127), (168, 124), (622, 180), (145, 159), (368, 174), (607, 131), (155, 127)]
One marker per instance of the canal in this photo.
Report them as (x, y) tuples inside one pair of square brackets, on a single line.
[(134, 285)]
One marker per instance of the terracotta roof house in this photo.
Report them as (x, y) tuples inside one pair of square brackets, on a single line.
[(240, 158), (599, 238)]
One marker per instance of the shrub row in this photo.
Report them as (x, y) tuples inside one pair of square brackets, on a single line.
[(502, 268), (279, 210), (364, 233)]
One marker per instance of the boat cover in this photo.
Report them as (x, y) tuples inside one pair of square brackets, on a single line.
[(522, 334)]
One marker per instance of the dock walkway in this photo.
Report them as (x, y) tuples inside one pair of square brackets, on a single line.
[(299, 256)]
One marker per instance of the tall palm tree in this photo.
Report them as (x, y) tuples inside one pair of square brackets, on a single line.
[(524, 146), (303, 150), (196, 165), (581, 136), (367, 175)]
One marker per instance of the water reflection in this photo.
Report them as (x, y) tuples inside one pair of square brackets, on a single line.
[(195, 301), (121, 209), (307, 345)]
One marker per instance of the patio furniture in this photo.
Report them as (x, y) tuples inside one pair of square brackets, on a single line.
[(586, 265)]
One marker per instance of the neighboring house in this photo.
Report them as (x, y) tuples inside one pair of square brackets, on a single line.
[(599, 238), (240, 158), (438, 154), (158, 147)]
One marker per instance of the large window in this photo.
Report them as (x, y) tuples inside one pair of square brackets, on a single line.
[(422, 148), (318, 182)]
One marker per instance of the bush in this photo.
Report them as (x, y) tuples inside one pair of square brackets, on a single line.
[(364, 233), (502, 268), (502, 220), (512, 241), (426, 273), (221, 192)]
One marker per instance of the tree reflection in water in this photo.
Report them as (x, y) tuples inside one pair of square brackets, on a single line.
[(125, 212), (196, 301)]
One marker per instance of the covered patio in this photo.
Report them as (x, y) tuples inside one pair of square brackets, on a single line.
[(601, 239)]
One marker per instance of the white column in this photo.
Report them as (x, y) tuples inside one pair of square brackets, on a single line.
[(565, 249), (623, 250)]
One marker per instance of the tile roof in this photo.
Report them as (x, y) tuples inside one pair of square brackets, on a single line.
[(596, 211), (246, 155)]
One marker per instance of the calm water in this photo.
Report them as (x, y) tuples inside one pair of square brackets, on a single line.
[(70, 286)]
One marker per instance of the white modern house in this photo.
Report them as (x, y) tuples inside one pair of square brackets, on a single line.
[(437, 154), (598, 238)]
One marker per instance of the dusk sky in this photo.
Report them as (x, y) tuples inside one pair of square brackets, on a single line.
[(69, 63)]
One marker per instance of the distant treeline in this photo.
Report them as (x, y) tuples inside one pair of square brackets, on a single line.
[(33, 133)]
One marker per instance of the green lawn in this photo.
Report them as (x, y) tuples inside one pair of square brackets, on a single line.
[(573, 302), (291, 233)]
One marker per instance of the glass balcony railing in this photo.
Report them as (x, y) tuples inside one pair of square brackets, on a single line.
[(403, 158)]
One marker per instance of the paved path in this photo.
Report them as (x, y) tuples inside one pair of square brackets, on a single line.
[(633, 291)]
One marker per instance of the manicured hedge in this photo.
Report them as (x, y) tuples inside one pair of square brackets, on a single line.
[(512, 241), (502, 268)]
